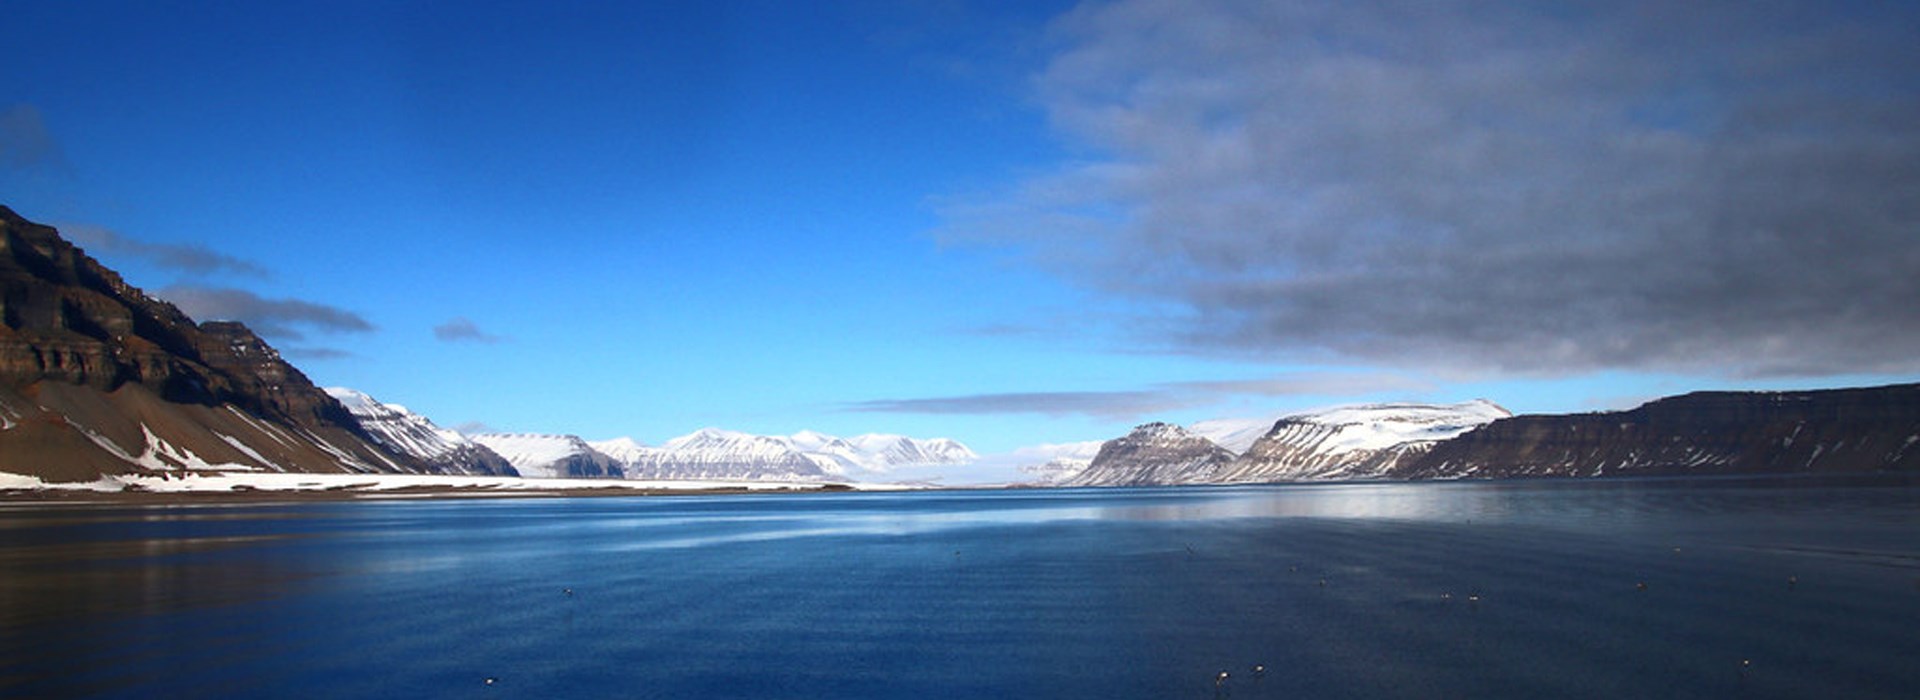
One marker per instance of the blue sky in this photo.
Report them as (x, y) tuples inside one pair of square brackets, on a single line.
[(1007, 223)]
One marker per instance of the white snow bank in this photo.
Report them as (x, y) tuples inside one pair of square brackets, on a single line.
[(226, 482)]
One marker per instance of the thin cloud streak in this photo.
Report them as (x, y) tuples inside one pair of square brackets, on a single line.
[(462, 329), (191, 259), (276, 319), (1132, 404), (1721, 187)]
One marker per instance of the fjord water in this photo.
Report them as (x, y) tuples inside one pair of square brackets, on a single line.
[(1672, 588)]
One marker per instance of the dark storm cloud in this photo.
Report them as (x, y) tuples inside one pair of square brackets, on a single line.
[(25, 143), (191, 259), (279, 320), (1132, 404), (463, 330), (1728, 187)]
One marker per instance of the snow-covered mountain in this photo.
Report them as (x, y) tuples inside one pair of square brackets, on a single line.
[(713, 453), (1154, 454), (1349, 442), (1057, 463), (547, 456), (1234, 434), (1354, 442), (408, 433), (876, 453)]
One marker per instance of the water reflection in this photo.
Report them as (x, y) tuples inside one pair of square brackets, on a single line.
[(1085, 593)]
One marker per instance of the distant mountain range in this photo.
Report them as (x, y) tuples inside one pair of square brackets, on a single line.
[(1353, 442), (1834, 431), (709, 454), (99, 378)]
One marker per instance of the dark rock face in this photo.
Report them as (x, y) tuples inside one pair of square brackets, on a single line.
[(67, 320), (1839, 430), (1154, 454)]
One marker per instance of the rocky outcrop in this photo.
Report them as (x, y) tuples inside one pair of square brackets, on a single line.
[(1154, 454), (97, 373), (1838, 430)]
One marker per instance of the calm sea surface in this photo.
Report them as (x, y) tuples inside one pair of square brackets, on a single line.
[(1603, 589)]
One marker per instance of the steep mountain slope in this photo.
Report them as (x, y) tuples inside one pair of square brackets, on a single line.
[(1837, 430), (1154, 454), (1355, 442), (550, 456), (97, 377), (400, 430)]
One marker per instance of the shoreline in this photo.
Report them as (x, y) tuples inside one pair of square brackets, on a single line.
[(57, 496), (270, 487)]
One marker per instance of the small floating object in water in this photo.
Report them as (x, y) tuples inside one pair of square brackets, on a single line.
[(1446, 596), (1641, 586), (1792, 581), (490, 680), (567, 591), (1323, 583), (1220, 680), (1259, 670), (1475, 598)]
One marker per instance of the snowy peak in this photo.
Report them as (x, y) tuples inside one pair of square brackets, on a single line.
[(548, 456), (717, 453), (622, 449), (1355, 442), (1154, 454), (1058, 463), (1378, 426), (881, 452), (408, 433), (712, 453)]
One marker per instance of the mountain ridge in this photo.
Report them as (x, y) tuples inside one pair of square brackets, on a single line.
[(98, 377)]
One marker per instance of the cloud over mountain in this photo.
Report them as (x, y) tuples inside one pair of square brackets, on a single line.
[(1489, 187), (1131, 404), (186, 258), (290, 319)]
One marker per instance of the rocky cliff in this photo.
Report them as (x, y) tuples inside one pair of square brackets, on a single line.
[(1152, 455), (97, 377), (1836, 430)]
